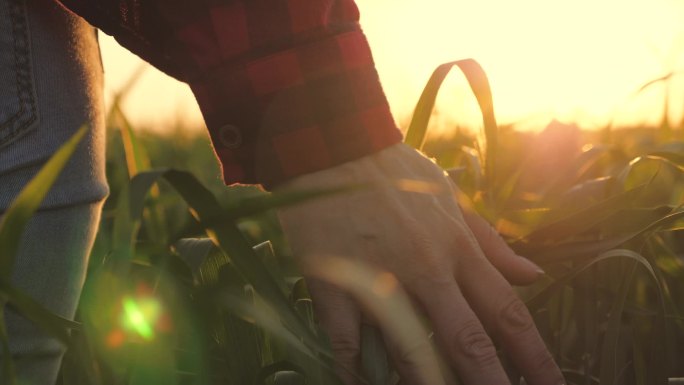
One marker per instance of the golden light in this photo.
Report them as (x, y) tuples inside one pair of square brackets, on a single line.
[(576, 61)]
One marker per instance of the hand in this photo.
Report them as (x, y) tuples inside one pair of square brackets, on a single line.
[(450, 263)]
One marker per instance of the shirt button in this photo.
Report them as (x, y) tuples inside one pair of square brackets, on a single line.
[(230, 136)]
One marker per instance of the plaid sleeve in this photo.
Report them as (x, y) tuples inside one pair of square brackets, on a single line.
[(286, 87)]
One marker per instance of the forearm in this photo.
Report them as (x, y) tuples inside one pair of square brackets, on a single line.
[(286, 87)]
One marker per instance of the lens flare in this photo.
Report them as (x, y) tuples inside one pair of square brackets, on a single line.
[(140, 315)]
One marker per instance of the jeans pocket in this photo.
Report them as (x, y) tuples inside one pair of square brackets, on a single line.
[(18, 105)]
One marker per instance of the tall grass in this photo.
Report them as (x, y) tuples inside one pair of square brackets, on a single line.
[(195, 285)]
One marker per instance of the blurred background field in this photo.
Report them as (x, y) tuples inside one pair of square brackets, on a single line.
[(600, 211)]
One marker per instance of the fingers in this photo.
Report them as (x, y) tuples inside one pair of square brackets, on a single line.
[(516, 269), (340, 318), (508, 319), (461, 337), (409, 361)]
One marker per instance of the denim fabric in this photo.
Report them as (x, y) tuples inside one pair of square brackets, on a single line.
[(50, 85), (51, 268)]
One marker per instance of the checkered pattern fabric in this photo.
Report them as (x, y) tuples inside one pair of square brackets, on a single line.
[(286, 87)]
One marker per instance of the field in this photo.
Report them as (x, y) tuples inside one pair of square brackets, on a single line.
[(192, 283)]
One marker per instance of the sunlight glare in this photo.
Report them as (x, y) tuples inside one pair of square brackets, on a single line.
[(580, 61), (577, 61)]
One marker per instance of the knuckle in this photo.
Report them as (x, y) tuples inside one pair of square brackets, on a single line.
[(411, 355), (542, 361), (514, 318), (472, 342), (345, 347)]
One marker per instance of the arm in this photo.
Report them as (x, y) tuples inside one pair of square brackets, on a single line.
[(291, 98), (286, 87)]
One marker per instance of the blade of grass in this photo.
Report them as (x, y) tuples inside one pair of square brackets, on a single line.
[(137, 160), (252, 206), (573, 250), (194, 251), (227, 236), (230, 240), (374, 356), (29, 308), (658, 374), (609, 372), (576, 169), (583, 219), (276, 367), (124, 230), (673, 158), (477, 79), (543, 296), (268, 318), (388, 305), (288, 378)]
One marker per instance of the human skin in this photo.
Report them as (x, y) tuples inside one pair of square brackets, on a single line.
[(452, 264)]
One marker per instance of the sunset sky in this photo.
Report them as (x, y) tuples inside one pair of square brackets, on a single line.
[(579, 61)]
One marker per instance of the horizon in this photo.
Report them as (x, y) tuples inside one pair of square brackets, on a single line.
[(539, 67)]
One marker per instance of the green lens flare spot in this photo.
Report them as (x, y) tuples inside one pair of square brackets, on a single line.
[(140, 316)]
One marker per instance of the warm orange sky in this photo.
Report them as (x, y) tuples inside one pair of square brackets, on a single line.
[(576, 60)]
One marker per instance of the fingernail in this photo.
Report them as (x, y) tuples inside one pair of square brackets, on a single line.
[(534, 266)]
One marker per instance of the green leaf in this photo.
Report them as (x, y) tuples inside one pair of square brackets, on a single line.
[(586, 193), (629, 220), (574, 172), (674, 158), (251, 206), (268, 318), (374, 356), (194, 251), (609, 357), (288, 378), (477, 79), (582, 220), (229, 239), (543, 296), (475, 166), (124, 231), (29, 308), (583, 249), (274, 368)]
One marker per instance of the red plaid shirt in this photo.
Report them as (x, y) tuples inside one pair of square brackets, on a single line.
[(286, 87)]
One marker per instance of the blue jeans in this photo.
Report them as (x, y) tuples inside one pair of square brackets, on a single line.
[(50, 85)]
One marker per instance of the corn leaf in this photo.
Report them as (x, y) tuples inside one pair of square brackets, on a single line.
[(477, 79)]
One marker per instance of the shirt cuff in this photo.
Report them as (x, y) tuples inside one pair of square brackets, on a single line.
[(297, 111)]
